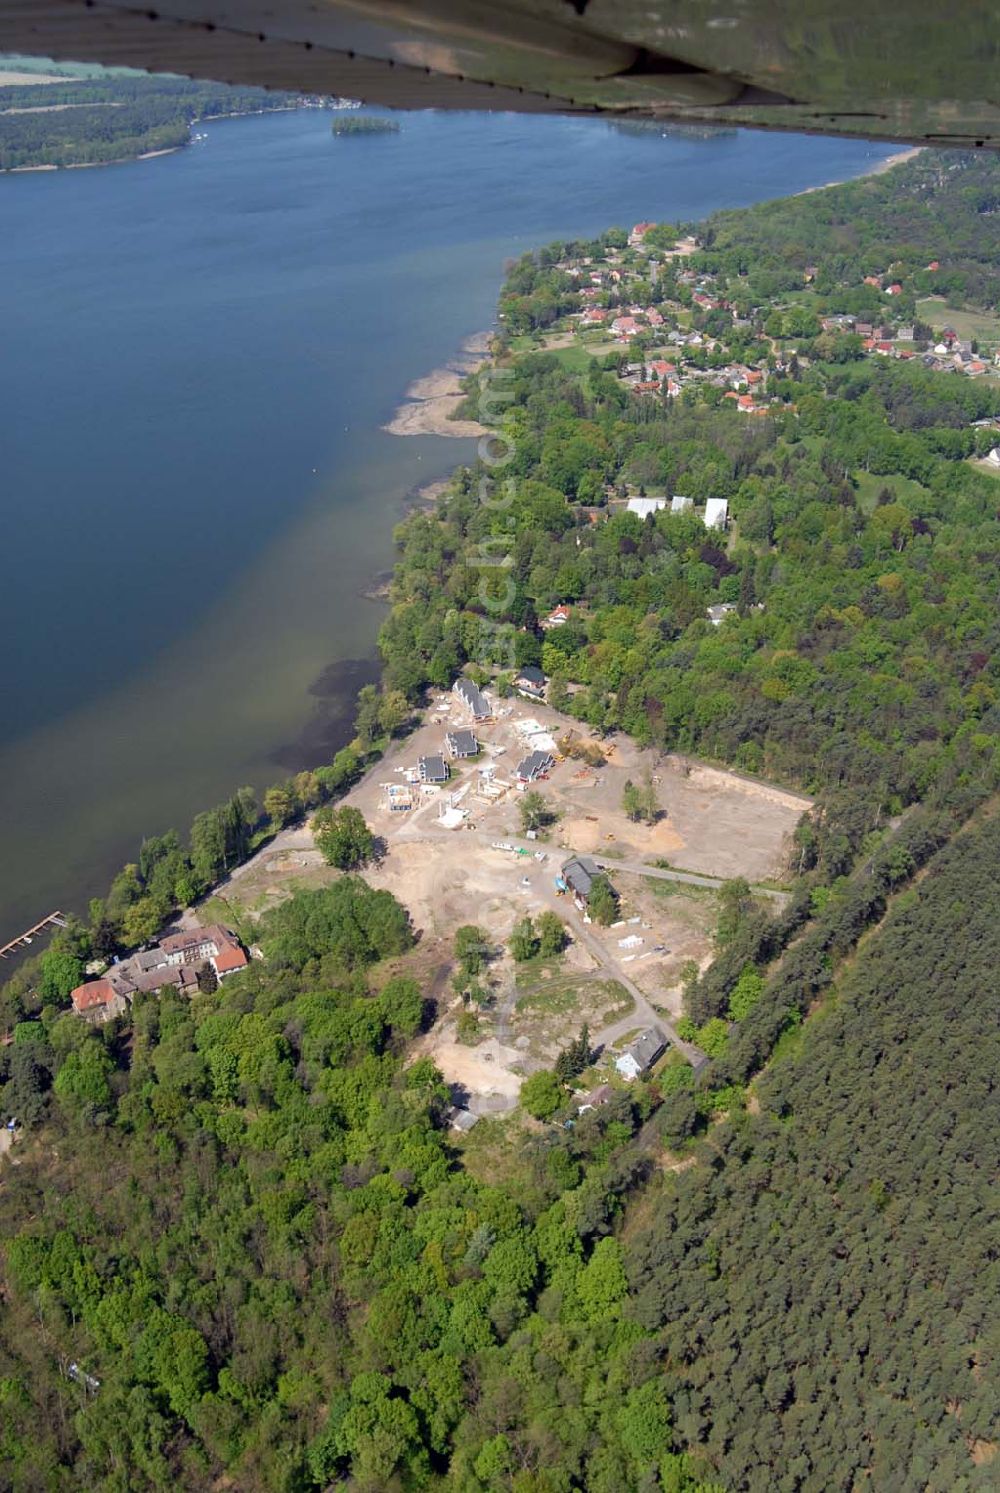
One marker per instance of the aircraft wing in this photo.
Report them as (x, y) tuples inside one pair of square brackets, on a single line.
[(912, 71)]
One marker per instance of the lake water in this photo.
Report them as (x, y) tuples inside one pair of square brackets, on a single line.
[(197, 355)]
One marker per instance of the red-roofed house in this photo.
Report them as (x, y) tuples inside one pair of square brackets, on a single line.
[(873, 280), (745, 403), (934, 265), (895, 289), (639, 233), (593, 316), (557, 617), (228, 960), (661, 367), (625, 326), (98, 1000)]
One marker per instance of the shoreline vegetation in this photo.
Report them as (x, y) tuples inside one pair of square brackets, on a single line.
[(114, 118), (365, 124), (247, 1232)]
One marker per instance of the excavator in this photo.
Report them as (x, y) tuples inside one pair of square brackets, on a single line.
[(914, 71)]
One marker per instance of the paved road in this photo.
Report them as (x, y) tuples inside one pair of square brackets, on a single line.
[(689, 878)]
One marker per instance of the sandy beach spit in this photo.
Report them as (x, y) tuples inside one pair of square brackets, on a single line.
[(430, 402), (28, 80)]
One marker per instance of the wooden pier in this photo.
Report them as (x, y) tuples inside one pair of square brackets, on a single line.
[(54, 920)]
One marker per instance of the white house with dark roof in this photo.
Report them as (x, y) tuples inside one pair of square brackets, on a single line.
[(432, 769), (534, 766), (472, 698), (641, 1054), (531, 681), (461, 743)]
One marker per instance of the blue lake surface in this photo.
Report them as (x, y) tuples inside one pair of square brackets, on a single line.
[(198, 354)]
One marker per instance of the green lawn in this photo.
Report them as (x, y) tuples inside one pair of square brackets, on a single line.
[(981, 325), (869, 486), (576, 359)]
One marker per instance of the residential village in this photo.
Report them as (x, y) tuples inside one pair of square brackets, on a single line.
[(669, 328)]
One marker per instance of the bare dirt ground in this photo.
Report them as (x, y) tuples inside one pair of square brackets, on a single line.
[(618, 979)]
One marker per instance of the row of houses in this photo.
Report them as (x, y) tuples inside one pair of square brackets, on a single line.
[(715, 515), (176, 960)]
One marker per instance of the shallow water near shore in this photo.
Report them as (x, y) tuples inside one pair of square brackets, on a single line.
[(200, 352)]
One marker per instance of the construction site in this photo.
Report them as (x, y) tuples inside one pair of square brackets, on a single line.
[(446, 803)]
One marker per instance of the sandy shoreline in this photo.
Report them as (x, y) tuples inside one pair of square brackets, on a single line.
[(430, 402), (879, 169)]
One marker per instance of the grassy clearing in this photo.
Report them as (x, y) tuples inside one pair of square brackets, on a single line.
[(869, 486), (981, 325), (683, 890), (575, 359), (546, 989)]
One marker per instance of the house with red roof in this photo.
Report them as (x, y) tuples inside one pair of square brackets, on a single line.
[(176, 960), (98, 1001), (638, 233), (558, 617)]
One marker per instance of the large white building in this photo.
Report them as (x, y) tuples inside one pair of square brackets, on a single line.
[(645, 506), (716, 513)]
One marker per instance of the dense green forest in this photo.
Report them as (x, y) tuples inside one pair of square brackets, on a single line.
[(242, 1246), (87, 121), (245, 1221)]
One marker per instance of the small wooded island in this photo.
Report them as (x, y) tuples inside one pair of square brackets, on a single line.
[(367, 124)]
